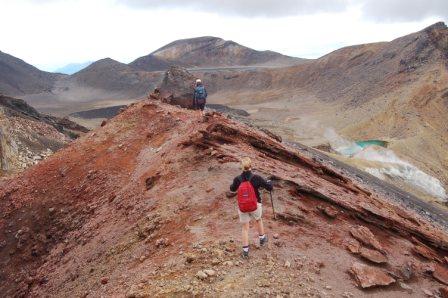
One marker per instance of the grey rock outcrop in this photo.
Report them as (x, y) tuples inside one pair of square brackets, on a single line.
[(177, 87)]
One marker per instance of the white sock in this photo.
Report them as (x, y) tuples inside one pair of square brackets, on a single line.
[(246, 248), (262, 236)]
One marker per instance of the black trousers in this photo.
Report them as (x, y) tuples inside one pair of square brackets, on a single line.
[(198, 106)]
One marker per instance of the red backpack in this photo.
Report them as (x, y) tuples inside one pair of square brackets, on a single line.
[(247, 199)]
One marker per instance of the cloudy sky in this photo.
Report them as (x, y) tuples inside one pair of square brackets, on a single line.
[(52, 33)]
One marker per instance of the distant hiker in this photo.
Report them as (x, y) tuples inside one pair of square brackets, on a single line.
[(249, 202), (200, 96)]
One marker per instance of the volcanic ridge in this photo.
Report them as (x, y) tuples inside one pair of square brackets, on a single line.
[(140, 207)]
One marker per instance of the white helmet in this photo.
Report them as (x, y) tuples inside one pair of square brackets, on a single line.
[(198, 81)]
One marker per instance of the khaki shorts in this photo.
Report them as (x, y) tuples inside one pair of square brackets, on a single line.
[(256, 215)]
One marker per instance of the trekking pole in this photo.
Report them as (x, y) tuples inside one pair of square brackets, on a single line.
[(272, 202)]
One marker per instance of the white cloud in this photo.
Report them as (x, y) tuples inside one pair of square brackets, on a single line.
[(404, 10), (53, 33), (390, 10), (265, 8)]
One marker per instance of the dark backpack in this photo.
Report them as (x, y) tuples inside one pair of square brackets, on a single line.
[(247, 198), (200, 94)]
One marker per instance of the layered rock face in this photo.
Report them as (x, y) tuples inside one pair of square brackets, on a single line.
[(21, 146), (140, 208), (26, 136)]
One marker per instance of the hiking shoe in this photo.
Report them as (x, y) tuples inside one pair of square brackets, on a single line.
[(245, 255), (264, 240)]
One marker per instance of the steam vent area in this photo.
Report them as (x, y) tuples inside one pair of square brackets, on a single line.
[(141, 207)]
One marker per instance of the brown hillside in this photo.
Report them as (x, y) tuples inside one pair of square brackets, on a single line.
[(114, 77), (393, 91), (18, 77)]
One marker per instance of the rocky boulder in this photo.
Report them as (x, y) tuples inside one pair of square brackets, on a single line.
[(352, 245), (425, 252), (441, 274), (177, 87), (444, 292), (365, 236), (372, 255), (368, 277), (328, 211)]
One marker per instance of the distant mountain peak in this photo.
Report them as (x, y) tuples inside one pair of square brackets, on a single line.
[(72, 68), (107, 60), (438, 25), (105, 63), (192, 40), (209, 51)]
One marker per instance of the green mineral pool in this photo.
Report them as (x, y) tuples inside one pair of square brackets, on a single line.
[(359, 145), (364, 144)]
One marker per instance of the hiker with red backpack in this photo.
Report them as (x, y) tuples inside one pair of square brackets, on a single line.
[(249, 202), (199, 96)]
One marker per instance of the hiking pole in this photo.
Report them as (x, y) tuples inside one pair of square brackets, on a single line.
[(272, 202)]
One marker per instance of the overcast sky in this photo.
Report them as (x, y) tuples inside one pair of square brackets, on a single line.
[(52, 33)]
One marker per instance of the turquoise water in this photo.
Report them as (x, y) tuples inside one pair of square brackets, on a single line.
[(359, 145), (364, 144)]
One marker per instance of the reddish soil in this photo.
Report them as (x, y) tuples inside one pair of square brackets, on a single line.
[(138, 207)]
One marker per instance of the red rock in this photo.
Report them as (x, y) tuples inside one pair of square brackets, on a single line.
[(162, 242), (368, 277), (303, 208), (365, 236), (444, 292), (329, 211), (428, 268), (276, 137), (441, 274), (352, 245), (230, 248), (279, 243), (373, 255), (425, 252), (104, 280)]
